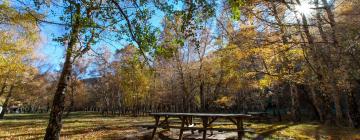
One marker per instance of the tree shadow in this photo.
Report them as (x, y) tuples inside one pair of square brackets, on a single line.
[(271, 130), (40, 116), (91, 130), (34, 135), (15, 125), (328, 132)]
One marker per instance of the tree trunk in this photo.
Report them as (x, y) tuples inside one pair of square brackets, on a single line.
[(3, 88), (119, 103), (277, 106), (319, 22), (6, 103), (332, 22), (294, 102), (71, 106), (280, 23), (316, 103), (347, 111), (55, 122), (185, 95), (336, 101), (355, 110), (202, 97)]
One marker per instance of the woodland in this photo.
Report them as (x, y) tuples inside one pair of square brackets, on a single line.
[(296, 60)]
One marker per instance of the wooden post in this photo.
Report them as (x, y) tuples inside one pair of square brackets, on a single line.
[(182, 127), (157, 118)]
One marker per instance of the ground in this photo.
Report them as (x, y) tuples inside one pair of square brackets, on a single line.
[(81, 125)]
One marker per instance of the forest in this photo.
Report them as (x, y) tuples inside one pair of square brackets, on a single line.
[(296, 60)]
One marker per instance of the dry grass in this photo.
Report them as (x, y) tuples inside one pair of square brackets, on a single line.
[(77, 126), (82, 125), (304, 131)]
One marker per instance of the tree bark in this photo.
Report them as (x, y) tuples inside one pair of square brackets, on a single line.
[(319, 22), (72, 101), (355, 110), (316, 104), (3, 88), (338, 110), (335, 43), (55, 122), (6, 103), (332, 22), (294, 102), (347, 111)]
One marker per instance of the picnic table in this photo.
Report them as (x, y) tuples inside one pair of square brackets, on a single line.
[(207, 120)]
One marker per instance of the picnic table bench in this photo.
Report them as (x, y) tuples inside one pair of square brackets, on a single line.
[(207, 119)]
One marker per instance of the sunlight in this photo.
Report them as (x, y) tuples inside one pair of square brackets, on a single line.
[(304, 8)]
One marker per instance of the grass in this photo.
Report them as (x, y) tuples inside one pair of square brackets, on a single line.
[(304, 131), (82, 125), (78, 125)]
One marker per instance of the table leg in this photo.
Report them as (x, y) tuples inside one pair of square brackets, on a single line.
[(205, 125), (165, 123), (210, 122), (239, 125), (191, 123), (182, 127), (157, 118)]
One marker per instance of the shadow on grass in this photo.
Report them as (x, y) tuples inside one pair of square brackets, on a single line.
[(33, 135), (328, 132), (20, 124), (271, 130), (91, 130), (72, 133), (40, 116)]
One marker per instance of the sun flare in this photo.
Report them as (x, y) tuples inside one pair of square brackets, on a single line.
[(304, 8)]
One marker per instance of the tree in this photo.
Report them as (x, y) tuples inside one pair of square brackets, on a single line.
[(16, 46), (81, 17)]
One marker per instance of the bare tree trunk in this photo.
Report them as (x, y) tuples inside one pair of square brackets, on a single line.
[(294, 102), (6, 103), (330, 67), (55, 122), (280, 23), (119, 102), (316, 103), (332, 22), (3, 88), (355, 113), (337, 49), (336, 101), (203, 97), (185, 95), (319, 22), (276, 97), (347, 111)]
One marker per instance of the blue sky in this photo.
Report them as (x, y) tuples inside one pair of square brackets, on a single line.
[(53, 52)]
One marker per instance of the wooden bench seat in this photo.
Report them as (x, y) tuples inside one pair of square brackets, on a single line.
[(199, 128)]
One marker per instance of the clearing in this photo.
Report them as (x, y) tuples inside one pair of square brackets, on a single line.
[(86, 125)]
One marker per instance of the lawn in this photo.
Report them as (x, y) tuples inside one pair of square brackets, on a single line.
[(82, 125)]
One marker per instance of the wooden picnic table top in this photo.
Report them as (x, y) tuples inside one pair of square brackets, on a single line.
[(199, 114)]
